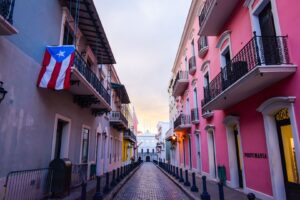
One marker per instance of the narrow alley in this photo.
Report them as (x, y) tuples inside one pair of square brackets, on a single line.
[(150, 183)]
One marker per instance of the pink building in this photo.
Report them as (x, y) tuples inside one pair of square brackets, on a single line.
[(238, 61)]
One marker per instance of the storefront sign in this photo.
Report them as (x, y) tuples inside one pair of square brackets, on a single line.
[(256, 155)]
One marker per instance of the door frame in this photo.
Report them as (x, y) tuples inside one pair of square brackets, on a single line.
[(229, 122), (210, 129), (198, 153), (268, 109), (68, 133), (254, 12), (89, 142)]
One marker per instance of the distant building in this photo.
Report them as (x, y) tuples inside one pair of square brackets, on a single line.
[(147, 146), (162, 128)]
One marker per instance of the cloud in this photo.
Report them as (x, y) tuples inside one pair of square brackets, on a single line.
[(144, 36)]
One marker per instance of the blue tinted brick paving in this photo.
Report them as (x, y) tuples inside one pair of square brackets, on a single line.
[(150, 183)]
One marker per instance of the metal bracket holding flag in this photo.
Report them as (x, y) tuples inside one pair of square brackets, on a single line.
[(56, 67)]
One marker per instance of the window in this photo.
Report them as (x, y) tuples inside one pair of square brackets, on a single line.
[(152, 150), (193, 47), (110, 152), (85, 145), (186, 64), (59, 135), (68, 36), (147, 150), (202, 42), (206, 80)]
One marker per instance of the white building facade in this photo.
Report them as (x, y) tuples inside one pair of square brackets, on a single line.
[(162, 128), (147, 146)]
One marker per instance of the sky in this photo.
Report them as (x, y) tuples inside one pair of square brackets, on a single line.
[(144, 36)]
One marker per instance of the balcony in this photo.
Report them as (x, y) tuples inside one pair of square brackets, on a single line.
[(206, 114), (183, 122), (169, 134), (6, 17), (118, 120), (195, 116), (202, 46), (181, 83), (129, 135), (192, 65), (263, 61), (87, 88), (214, 15)]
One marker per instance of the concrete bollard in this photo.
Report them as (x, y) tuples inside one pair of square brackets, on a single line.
[(221, 191), (251, 196), (194, 186), (204, 195), (118, 175), (181, 176), (187, 183), (106, 187), (83, 190), (98, 195), (113, 180), (177, 174)]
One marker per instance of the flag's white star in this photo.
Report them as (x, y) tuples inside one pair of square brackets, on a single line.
[(61, 54)]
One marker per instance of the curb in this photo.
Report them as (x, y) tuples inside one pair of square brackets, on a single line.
[(186, 191), (117, 188)]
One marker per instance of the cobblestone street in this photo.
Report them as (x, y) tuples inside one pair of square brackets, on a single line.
[(150, 183)]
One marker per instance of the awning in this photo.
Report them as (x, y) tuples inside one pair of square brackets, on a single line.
[(121, 92), (92, 29)]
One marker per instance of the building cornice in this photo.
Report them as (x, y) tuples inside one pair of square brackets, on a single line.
[(193, 13)]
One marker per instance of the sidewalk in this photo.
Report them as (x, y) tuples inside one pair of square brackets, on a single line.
[(91, 187), (212, 188)]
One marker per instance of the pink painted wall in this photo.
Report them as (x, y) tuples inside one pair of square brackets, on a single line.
[(253, 139)]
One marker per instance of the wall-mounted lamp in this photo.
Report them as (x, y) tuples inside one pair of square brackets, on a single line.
[(174, 137), (2, 91)]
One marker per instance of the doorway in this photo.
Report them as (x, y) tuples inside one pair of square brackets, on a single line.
[(268, 36), (198, 153), (239, 164), (190, 152), (60, 146), (211, 154), (147, 158), (288, 155)]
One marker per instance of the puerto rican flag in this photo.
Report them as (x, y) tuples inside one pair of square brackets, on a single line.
[(56, 67)]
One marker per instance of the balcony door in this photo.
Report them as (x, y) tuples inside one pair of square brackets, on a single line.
[(288, 155), (268, 33), (206, 87), (225, 67), (187, 108)]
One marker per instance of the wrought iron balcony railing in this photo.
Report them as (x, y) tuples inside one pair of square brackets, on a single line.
[(130, 135), (116, 116), (192, 65), (7, 10), (202, 46), (260, 50), (90, 76), (202, 42), (205, 11), (181, 75), (195, 115), (182, 120)]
